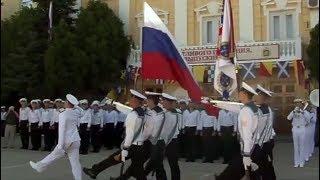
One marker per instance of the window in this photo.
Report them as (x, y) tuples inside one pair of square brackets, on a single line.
[(277, 89), (282, 25), (210, 27), (290, 88)]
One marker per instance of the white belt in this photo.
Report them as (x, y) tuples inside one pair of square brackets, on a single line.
[(138, 143)]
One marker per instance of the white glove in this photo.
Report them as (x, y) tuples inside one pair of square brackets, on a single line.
[(124, 154), (246, 162)]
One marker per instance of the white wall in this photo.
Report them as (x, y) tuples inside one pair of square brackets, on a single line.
[(124, 8), (181, 28), (246, 20)]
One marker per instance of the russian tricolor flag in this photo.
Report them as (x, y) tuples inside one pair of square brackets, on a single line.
[(161, 59)]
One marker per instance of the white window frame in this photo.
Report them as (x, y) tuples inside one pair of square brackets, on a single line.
[(203, 32), (283, 29)]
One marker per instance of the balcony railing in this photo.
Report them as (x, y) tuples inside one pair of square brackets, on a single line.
[(289, 50)]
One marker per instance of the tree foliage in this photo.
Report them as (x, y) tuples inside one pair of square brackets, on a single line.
[(313, 53)]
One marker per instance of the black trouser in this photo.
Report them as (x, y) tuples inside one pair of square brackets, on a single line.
[(110, 161), (228, 142), (119, 132), (190, 143), (172, 155), (108, 135), (235, 169), (35, 136), (24, 133), (96, 137), (55, 133), (3, 126), (47, 136), (156, 161), (85, 138), (268, 172), (199, 149), (208, 144), (182, 144), (135, 169)]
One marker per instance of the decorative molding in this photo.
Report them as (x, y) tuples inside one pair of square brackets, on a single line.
[(280, 5), (161, 13), (211, 9)]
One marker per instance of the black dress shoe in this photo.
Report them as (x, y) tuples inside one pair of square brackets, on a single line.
[(207, 161), (90, 173), (84, 153), (224, 162)]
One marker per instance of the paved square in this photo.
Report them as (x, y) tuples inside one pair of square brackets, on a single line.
[(14, 165)]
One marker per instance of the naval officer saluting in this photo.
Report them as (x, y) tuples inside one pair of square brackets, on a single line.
[(68, 142)]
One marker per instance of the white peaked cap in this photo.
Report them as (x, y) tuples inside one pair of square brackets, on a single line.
[(108, 101), (22, 99), (95, 103), (56, 100), (3, 107), (73, 100), (248, 88), (39, 100), (83, 101), (46, 100), (34, 101), (167, 96), (260, 88), (297, 100), (137, 94), (148, 93)]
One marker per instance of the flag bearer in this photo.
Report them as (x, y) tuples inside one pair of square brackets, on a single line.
[(85, 124), (227, 128), (170, 133), (69, 140), (46, 118), (35, 124), (206, 124), (96, 126), (24, 123), (190, 122), (268, 134), (154, 121), (300, 118)]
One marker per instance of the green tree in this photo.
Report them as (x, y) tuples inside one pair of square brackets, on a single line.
[(22, 49), (90, 57), (313, 53)]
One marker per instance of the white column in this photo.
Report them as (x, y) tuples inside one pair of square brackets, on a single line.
[(124, 11), (180, 18), (246, 20), (314, 17)]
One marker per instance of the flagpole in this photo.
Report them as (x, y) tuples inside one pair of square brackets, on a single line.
[(50, 21), (141, 34)]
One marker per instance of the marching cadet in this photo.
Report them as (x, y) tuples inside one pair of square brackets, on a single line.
[(45, 119), (111, 121), (170, 133), (133, 138), (300, 118), (154, 120), (190, 122), (69, 140), (246, 165), (266, 140), (96, 126), (133, 143), (35, 125), (85, 124), (3, 120), (206, 124), (227, 129), (24, 123)]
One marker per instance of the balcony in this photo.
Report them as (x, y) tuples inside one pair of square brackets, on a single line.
[(264, 51)]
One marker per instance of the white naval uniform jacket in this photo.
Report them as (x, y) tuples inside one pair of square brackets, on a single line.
[(154, 119), (134, 128), (34, 117), (247, 125), (97, 118), (86, 117), (170, 128), (191, 120), (227, 118), (46, 115), (185, 115), (299, 119), (267, 115), (68, 131), (205, 120), (3, 116), (24, 113)]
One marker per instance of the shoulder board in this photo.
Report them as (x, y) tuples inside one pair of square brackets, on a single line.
[(252, 106), (265, 109), (157, 109), (139, 111)]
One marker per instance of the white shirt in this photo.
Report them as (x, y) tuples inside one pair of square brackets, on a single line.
[(185, 115), (97, 118), (170, 128), (133, 123), (205, 120), (34, 116), (68, 131), (247, 121), (46, 115), (192, 119), (24, 113), (55, 116), (3, 116), (299, 119), (227, 118), (152, 126), (111, 117), (121, 117), (86, 117)]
